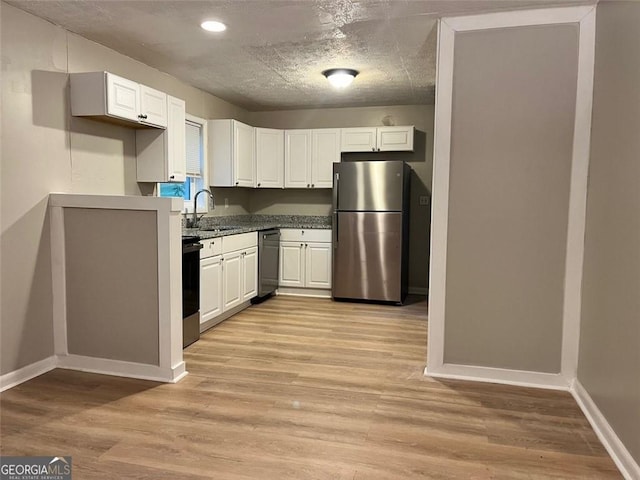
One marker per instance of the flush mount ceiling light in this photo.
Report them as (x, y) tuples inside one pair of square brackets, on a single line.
[(213, 26), (340, 77)]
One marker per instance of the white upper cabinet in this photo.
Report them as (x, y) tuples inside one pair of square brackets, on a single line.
[(161, 154), (231, 154), (269, 158), (378, 139), (176, 140), (153, 107), (297, 158), (105, 95), (359, 139), (123, 96), (325, 144), (395, 139), (309, 157)]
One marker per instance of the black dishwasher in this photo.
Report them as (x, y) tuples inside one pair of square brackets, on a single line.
[(268, 261), (191, 247)]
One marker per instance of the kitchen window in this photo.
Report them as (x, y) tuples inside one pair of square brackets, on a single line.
[(195, 134)]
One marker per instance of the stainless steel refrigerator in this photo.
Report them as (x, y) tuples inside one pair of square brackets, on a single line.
[(370, 230)]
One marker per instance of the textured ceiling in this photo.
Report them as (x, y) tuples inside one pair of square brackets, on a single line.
[(273, 52)]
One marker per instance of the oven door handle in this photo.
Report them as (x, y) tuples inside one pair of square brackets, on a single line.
[(192, 247)]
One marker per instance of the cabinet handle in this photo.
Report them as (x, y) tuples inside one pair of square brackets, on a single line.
[(172, 177), (142, 116)]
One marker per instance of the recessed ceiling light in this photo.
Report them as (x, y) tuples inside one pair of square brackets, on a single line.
[(213, 26), (340, 77)]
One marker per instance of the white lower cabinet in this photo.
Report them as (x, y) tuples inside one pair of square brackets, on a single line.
[(228, 275), (232, 279), (317, 265), (250, 273), (305, 261), (210, 288)]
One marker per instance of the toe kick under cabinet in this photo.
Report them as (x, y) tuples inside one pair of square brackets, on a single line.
[(305, 262), (228, 276)]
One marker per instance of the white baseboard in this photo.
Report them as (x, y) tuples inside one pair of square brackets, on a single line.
[(304, 292), (618, 452), (11, 379), (122, 369), (520, 378)]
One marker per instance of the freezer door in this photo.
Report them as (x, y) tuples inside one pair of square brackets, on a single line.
[(367, 262), (368, 186)]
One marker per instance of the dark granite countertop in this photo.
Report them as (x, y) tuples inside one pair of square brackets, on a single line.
[(213, 227)]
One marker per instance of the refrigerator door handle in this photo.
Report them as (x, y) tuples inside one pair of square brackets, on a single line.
[(336, 198)]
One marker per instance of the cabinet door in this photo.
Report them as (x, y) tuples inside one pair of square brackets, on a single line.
[(269, 158), (358, 139), (291, 264), (326, 152), (318, 265), (210, 288), (232, 279), (153, 107), (123, 97), (297, 158), (176, 143), (250, 273), (395, 139), (244, 148)]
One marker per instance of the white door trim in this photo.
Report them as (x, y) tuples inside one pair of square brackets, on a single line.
[(584, 16)]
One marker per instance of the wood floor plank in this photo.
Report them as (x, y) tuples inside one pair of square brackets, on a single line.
[(304, 388)]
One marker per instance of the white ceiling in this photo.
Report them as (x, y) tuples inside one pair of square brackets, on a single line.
[(273, 52)]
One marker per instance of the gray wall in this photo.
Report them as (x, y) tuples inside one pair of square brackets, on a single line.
[(112, 284), (45, 150), (319, 202), (512, 132), (609, 362)]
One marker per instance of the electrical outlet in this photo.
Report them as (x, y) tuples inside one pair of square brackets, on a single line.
[(424, 200)]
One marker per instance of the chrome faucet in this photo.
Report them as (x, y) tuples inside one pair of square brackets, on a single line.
[(194, 219)]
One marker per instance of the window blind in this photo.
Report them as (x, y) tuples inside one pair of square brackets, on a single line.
[(194, 150)]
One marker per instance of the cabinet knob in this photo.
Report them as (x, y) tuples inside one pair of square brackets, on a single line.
[(373, 149), (307, 185), (306, 245), (172, 177), (237, 183), (378, 148), (301, 245), (259, 184), (312, 185)]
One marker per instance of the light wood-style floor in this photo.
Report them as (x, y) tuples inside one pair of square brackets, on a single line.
[(299, 388)]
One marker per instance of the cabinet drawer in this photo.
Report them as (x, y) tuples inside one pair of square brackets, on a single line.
[(305, 235), (210, 247), (241, 241)]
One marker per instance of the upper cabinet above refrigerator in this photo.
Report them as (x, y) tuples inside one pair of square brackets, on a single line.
[(378, 139)]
